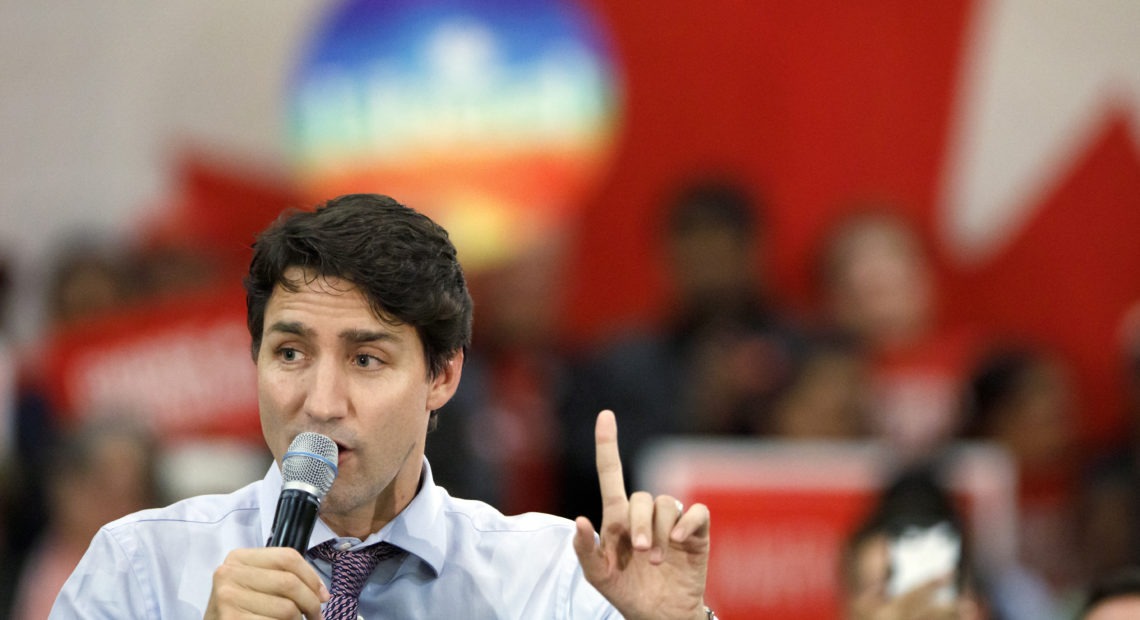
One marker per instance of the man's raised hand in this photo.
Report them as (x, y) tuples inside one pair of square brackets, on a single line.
[(650, 559)]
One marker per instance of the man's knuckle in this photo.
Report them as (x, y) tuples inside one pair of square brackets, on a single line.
[(283, 608), (224, 573)]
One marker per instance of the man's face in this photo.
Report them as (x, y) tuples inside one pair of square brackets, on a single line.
[(328, 364)]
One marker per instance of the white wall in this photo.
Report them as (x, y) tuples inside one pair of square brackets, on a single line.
[(95, 97)]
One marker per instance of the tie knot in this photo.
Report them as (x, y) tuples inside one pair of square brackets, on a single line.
[(372, 554), (350, 570)]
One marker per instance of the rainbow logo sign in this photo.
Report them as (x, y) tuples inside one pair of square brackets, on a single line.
[(492, 117)]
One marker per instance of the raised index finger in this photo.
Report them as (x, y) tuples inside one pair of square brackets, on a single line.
[(609, 466)]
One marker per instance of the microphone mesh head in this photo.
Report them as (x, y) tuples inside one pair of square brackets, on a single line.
[(311, 459)]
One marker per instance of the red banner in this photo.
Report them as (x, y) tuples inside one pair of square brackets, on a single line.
[(782, 513), (183, 366)]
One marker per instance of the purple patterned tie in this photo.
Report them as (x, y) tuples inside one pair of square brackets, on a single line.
[(350, 569)]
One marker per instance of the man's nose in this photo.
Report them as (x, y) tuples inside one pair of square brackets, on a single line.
[(327, 396)]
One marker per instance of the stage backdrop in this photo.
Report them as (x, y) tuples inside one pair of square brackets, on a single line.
[(1006, 128)]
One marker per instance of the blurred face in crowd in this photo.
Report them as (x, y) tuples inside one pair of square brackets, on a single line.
[(712, 263), (328, 364), (868, 571), (879, 282), (867, 574), (1118, 608), (86, 290), (519, 298), (1043, 433), (1036, 426), (114, 481)]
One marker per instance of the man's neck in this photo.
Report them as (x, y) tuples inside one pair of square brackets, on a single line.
[(369, 519)]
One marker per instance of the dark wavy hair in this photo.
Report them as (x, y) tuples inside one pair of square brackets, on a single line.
[(403, 262)]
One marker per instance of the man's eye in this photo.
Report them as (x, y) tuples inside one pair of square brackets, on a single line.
[(366, 361), (288, 355)]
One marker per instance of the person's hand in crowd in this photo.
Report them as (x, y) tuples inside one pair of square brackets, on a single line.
[(920, 603)]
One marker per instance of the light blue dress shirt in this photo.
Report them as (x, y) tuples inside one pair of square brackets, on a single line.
[(465, 560)]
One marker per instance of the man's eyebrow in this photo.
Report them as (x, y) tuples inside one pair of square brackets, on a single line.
[(290, 327), (361, 336)]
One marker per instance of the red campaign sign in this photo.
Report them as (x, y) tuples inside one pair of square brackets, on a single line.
[(777, 553), (781, 514), (183, 366)]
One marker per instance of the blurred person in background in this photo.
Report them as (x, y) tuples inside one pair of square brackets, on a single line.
[(914, 504), (91, 280), (167, 269), (1021, 398), (1110, 493), (8, 399), (828, 397), (7, 364), (88, 281), (877, 285), (1115, 596), (725, 354), (499, 438), (100, 471)]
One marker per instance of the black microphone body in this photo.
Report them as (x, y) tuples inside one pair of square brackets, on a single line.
[(307, 472), (293, 523)]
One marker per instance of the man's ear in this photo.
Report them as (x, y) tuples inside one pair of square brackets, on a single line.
[(444, 384)]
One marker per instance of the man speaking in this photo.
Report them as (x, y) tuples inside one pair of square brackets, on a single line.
[(360, 317)]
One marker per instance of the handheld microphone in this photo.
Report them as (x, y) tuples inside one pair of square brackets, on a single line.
[(307, 471)]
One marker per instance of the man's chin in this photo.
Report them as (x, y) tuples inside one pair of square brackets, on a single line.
[(334, 504)]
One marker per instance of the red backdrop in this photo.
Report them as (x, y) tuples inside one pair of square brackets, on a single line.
[(816, 103)]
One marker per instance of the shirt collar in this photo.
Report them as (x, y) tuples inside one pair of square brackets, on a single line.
[(419, 529)]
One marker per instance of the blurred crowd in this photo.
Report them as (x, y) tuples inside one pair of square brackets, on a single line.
[(871, 361), (64, 474)]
